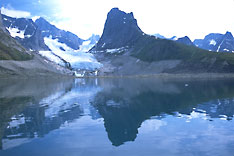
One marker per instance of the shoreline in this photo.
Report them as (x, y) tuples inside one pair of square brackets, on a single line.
[(160, 75)]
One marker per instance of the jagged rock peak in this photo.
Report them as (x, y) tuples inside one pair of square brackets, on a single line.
[(120, 30)]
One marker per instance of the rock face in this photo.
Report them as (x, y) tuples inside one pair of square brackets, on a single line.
[(25, 32), (217, 42), (120, 30), (185, 40), (9, 48), (124, 49), (70, 39)]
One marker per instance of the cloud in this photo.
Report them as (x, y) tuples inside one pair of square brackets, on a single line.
[(15, 13)]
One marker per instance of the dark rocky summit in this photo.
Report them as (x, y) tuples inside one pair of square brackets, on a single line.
[(120, 30)]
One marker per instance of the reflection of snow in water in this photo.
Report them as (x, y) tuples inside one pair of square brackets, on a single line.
[(63, 101)]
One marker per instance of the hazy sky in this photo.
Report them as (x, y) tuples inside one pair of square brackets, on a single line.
[(195, 18)]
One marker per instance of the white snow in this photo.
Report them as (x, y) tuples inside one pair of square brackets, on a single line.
[(103, 45), (213, 42), (220, 46), (86, 46), (52, 57), (35, 18), (225, 49), (15, 32), (28, 36), (78, 59), (118, 50)]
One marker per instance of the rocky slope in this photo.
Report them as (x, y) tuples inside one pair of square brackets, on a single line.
[(125, 50), (9, 48)]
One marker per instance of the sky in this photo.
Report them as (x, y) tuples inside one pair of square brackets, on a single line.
[(194, 18)]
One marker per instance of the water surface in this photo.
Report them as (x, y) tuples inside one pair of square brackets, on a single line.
[(116, 117)]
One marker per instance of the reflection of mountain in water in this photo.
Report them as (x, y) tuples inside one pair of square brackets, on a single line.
[(29, 110), (48, 107), (128, 103)]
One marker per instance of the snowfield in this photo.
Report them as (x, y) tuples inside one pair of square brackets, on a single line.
[(15, 32), (78, 59)]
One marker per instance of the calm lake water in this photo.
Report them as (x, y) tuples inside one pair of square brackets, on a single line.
[(124, 117)]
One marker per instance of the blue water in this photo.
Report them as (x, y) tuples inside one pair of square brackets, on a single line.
[(103, 117)]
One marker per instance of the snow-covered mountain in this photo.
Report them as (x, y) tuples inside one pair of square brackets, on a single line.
[(66, 37), (25, 31), (79, 60), (217, 42), (66, 47), (59, 46)]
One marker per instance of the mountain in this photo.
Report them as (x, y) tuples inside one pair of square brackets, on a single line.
[(26, 32), (124, 49), (120, 30), (217, 42), (9, 48), (16, 61), (66, 37), (59, 46), (185, 40)]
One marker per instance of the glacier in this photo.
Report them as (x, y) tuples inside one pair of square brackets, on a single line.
[(79, 60)]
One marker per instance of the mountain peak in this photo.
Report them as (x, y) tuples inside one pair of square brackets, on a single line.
[(120, 30), (185, 40), (228, 34)]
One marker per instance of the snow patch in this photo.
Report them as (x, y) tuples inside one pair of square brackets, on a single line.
[(35, 18), (52, 57), (103, 45), (28, 36), (118, 50), (213, 42), (15, 32), (220, 46)]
